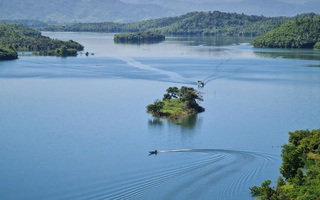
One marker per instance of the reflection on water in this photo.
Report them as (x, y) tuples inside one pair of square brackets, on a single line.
[(155, 121), (137, 42), (188, 46), (185, 123), (209, 40), (288, 54)]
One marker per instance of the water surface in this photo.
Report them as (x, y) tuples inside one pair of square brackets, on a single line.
[(76, 127)]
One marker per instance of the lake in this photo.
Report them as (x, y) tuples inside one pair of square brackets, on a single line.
[(77, 127)]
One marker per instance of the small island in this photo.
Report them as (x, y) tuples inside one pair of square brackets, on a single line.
[(139, 38), (177, 103)]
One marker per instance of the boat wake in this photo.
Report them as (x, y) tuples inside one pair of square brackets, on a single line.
[(195, 174), (216, 74), (173, 77)]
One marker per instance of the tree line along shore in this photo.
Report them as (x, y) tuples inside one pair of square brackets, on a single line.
[(301, 31), (14, 37), (193, 23)]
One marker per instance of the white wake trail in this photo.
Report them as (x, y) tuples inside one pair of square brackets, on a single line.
[(172, 75)]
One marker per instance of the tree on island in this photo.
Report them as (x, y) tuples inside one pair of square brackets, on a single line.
[(177, 103), (139, 38)]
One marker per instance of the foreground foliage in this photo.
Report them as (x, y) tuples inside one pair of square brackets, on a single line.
[(298, 33), (21, 38), (300, 170), (177, 103)]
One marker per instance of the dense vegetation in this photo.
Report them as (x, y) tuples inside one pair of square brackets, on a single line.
[(177, 103), (138, 38), (7, 54), (219, 23), (317, 46), (206, 23), (20, 38), (298, 33), (24, 22), (300, 170)]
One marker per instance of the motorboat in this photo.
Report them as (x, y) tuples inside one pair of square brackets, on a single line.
[(153, 152), (200, 84)]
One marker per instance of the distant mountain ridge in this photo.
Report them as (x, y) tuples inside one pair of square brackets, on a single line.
[(193, 23), (70, 11)]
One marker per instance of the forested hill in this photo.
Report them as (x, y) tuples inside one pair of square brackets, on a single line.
[(213, 23), (298, 33), (69, 11), (20, 38), (207, 23), (25, 22)]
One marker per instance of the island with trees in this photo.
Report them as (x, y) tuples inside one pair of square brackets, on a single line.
[(139, 38), (15, 37), (300, 169), (177, 103), (303, 32)]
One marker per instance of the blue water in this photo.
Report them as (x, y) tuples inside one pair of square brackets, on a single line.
[(77, 127)]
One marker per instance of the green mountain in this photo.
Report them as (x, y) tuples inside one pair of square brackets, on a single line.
[(220, 23), (67, 11), (70, 11), (298, 33), (207, 23), (25, 22), (19, 38)]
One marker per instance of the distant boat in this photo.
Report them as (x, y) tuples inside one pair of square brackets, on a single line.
[(155, 152), (200, 84)]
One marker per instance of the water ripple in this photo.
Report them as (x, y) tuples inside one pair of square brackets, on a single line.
[(218, 173)]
